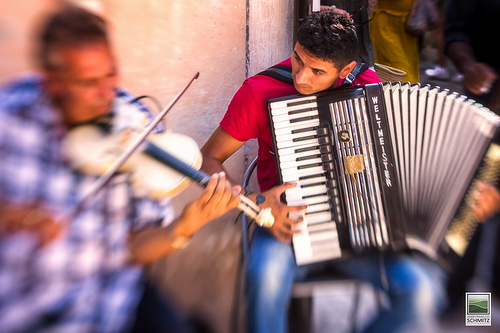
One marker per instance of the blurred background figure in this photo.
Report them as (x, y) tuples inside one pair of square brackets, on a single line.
[(469, 28), (393, 45), (440, 71), (479, 269), (360, 11), (83, 272), (469, 38)]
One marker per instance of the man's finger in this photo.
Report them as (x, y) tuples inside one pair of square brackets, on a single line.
[(210, 188)]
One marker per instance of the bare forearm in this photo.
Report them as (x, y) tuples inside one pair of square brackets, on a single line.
[(211, 165), (219, 147), (478, 76), (462, 55), (149, 245), (217, 199)]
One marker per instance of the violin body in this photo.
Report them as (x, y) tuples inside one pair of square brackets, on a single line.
[(92, 150), (158, 178)]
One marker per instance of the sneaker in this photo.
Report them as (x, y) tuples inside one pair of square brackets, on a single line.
[(438, 72)]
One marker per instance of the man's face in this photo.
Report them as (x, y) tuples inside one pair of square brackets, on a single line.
[(84, 85), (311, 74)]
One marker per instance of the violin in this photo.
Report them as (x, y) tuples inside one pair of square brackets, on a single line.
[(161, 164), (92, 150)]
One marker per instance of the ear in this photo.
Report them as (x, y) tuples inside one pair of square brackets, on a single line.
[(347, 69)]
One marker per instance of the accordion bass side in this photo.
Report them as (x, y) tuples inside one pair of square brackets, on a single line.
[(380, 167)]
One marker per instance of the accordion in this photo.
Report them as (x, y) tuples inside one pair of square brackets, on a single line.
[(380, 167)]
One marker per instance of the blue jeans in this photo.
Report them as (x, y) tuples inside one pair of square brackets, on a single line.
[(414, 293)]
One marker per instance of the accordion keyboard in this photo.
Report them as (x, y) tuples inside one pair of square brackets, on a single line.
[(304, 151)]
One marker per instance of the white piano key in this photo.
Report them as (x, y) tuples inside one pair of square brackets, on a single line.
[(289, 117), (302, 247), (313, 149), (309, 201), (298, 192), (296, 110), (322, 227), (302, 155), (310, 139), (316, 180), (297, 164), (317, 208), (311, 219), (288, 103), (322, 236), (303, 192), (317, 199), (291, 143), (296, 126), (309, 250), (296, 136), (294, 176), (302, 172), (327, 244), (286, 123)]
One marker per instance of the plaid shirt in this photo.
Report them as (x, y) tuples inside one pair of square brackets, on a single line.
[(82, 282)]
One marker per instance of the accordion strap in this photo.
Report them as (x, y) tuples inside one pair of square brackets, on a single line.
[(284, 73), (279, 72), (359, 68)]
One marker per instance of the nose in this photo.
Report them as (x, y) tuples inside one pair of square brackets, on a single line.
[(301, 77)]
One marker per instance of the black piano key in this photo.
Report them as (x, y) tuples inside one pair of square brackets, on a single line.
[(306, 101), (301, 110), (307, 166), (302, 130), (308, 157), (297, 120)]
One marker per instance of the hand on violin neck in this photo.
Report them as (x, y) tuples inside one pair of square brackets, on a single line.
[(217, 199)]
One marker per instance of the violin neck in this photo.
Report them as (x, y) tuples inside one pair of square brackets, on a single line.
[(162, 156), (261, 217)]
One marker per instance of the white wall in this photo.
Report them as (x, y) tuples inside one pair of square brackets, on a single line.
[(160, 45)]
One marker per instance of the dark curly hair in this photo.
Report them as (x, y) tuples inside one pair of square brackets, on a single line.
[(71, 26), (329, 36)]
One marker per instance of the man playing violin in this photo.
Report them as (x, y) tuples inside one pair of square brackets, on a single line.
[(81, 274)]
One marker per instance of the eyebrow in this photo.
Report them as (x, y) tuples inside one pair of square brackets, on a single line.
[(316, 69)]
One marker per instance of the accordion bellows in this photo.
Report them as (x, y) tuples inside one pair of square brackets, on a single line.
[(381, 167)]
